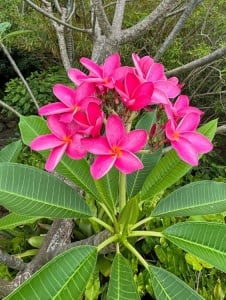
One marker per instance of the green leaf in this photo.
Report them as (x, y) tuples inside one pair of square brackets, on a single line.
[(167, 286), (206, 240), (11, 152), (64, 277), (107, 188), (29, 191), (121, 285), (75, 170), (130, 213), (170, 168), (146, 121), (197, 198), (136, 179), (13, 220), (3, 27)]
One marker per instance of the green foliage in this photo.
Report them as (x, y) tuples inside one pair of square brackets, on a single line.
[(41, 84)]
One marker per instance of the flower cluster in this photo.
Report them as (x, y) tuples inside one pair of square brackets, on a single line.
[(96, 116)]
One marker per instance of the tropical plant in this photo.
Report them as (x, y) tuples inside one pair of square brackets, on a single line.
[(94, 131)]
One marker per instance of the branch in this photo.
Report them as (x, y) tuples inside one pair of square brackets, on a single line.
[(101, 17), (143, 26), (11, 261), (179, 25), (118, 16), (43, 12), (199, 62), (16, 69)]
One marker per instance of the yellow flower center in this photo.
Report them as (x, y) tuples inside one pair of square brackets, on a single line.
[(116, 151), (67, 139), (176, 136)]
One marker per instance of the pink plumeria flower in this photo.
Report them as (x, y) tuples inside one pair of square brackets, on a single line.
[(71, 101), (184, 138), (117, 148), (62, 139), (101, 75), (134, 94), (150, 71), (180, 108), (90, 121)]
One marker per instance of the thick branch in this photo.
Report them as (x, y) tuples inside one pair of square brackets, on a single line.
[(118, 16), (143, 26), (43, 12), (11, 261), (179, 25), (101, 17), (199, 62)]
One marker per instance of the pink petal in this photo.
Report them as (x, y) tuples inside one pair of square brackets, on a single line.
[(102, 165), (139, 102), (44, 142), (54, 157), (98, 145), (76, 76), (115, 130), (67, 117), (128, 163), (75, 150), (111, 63), (168, 88), (92, 66), (52, 109), (86, 89), (186, 151), (159, 97), (182, 102), (145, 89), (131, 84), (189, 123), (155, 73), (199, 142), (65, 94), (58, 128), (135, 140)]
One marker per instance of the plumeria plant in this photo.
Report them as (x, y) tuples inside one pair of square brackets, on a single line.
[(122, 135)]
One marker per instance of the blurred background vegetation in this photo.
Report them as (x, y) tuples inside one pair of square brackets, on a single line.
[(37, 55)]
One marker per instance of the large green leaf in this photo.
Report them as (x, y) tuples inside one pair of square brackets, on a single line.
[(75, 170), (146, 120), (167, 286), (65, 277), (170, 168), (29, 191), (3, 27), (11, 152), (136, 179), (206, 240), (12, 220), (197, 198), (121, 285), (107, 188)]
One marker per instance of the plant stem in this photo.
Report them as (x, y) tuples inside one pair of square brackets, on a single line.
[(122, 191), (145, 233), (141, 222), (102, 223), (107, 212), (135, 253), (108, 241)]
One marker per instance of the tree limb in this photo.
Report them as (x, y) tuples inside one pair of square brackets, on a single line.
[(101, 17), (11, 261), (199, 62), (118, 16), (179, 25)]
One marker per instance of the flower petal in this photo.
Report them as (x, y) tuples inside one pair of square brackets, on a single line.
[(189, 123), (44, 142), (111, 63), (65, 94), (97, 145), (102, 165), (76, 76), (199, 142), (54, 157), (58, 128), (186, 151), (75, 150), (128, 163), (86, 89), (92, 66), (135, 140), (115, 130), (53, 108), (159, 97)]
